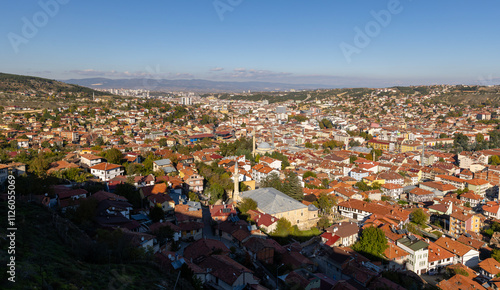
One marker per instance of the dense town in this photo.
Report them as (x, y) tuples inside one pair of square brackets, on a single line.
[(380, 190)]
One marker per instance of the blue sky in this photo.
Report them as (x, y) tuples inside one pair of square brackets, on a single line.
[(423, 42)]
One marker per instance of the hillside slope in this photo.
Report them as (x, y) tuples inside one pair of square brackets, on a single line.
[(10, 83), (44, 261)]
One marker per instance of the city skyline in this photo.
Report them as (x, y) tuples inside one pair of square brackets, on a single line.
[(352, 44)]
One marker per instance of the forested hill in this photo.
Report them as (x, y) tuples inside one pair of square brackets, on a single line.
[(35, 86)]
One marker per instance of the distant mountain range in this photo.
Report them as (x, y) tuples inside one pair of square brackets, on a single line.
[(194, 85)]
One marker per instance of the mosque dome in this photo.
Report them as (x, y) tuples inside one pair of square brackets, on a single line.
[(264, 145)]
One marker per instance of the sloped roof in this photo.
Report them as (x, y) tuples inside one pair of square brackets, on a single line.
[(273, 201)]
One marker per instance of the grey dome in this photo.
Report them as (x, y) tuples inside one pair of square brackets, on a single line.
[(264, 145)]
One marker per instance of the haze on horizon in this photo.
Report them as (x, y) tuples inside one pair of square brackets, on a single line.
[(336, 43)]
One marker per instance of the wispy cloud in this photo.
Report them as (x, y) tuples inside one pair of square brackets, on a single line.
[(128, 74), (217, 69)]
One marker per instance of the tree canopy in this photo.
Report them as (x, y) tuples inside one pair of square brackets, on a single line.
[(247, 204), (290, 186), (419, 217), (372, 242)]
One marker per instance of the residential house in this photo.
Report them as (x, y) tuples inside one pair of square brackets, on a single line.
[(439, 188), (260, 249), (222, 212), (90, 160), (106, 171), (162, 200), (419, 253), (222, 272), (420, 195), (163, 164), (397, 257), (341, 234), (392, 190), (471, 199), (463, 253), (455, 181), (439, 258), (261, 172), (264, 221), (492, 210), (479, 186), (361, 210), (204, 248), (489, 268), (459, 282), (461, 223), (194, 182), (271, 162), (358, 174)]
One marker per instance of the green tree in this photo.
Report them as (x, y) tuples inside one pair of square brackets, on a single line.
[(325, 203), (361, 185), (495, 160), (99, 141), (13, 144), (496, 254), (193, 196), (86, 211), (419, 217), (113, 155), (39, 166), (308, 174), (164, 234), (215, 191), (479, 138), (292, 186), (156, 213), (283, 228), (247, 204), (323, 222), (45, 144), (129, 192), (372, 242), (162, 142)]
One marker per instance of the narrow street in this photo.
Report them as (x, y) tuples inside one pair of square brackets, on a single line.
[(207, 219)]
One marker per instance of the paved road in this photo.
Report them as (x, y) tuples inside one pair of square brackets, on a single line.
[(207, 220)]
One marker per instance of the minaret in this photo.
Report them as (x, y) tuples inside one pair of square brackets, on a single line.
[(423, 151), (236, 178), (273, 137), (253, 141)]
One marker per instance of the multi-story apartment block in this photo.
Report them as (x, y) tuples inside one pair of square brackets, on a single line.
[(419, 252)]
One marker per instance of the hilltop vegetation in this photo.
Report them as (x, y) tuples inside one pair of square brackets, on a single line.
[(45, 261), (446, 94), (33, 88)]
